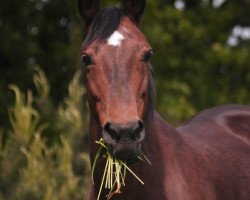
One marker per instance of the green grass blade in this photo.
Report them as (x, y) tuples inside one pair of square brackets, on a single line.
[(115, 171), (144, 156), (132, 173), (103, 177), (111, 173), (94, 164)]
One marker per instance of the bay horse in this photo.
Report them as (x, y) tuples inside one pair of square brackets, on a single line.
[(205, 158)]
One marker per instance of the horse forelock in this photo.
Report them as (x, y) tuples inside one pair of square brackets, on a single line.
[(105, 23)]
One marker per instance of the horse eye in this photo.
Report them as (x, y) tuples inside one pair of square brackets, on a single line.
[(87, 60), (147, 56)]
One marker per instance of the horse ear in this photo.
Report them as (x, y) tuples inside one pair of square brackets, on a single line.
[(88, 9), (134, 9)]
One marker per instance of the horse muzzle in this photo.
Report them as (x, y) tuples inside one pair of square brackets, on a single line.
[(124, 141)]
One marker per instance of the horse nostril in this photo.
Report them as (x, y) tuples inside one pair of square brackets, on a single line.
[(114, 133), (137, 129), (112, 130)]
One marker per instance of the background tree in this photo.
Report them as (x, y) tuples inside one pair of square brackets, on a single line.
[(37, 32), (201, 54)]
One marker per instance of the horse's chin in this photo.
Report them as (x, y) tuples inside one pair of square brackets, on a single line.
[(132, 160), (129, 156), (128, 160)]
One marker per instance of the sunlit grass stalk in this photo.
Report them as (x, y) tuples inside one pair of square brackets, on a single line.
[(102, 180), (145, 158), (114, 173), (132, 173)]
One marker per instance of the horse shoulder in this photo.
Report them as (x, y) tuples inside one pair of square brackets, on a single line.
[(229, 120), (220, 137)]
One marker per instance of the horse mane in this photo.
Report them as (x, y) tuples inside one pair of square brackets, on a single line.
[(104, 24)]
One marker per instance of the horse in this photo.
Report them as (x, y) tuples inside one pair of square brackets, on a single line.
[(205, 158)]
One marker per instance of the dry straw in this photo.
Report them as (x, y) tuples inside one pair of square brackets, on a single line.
[(114, 172)]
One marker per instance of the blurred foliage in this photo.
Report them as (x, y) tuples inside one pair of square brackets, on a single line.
[(30, 167), (43, 32), (196, 66), (201, 59)]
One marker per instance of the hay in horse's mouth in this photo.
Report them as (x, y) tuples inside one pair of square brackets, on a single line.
[(115, 171)]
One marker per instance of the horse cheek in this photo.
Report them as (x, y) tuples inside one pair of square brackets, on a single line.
[(101, 112), (141, 107)]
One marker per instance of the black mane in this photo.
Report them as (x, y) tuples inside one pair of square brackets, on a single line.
[(104, 24)]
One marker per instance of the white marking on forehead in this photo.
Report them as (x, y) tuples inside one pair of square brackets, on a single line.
[(115, 39), (125, 30)]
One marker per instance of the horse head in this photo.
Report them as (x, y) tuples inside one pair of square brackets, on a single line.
[(116, 56)]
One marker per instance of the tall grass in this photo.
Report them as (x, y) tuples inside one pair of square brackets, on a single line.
[(31, 166)]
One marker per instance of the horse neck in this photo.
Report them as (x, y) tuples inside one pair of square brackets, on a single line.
[(162, 142)]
